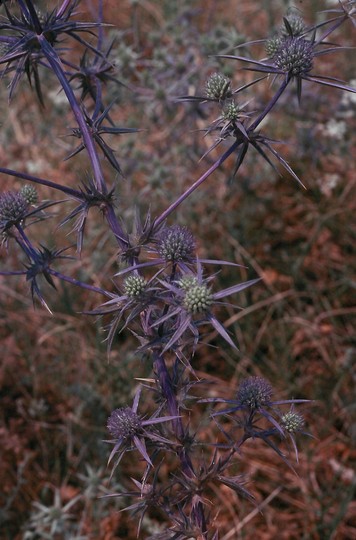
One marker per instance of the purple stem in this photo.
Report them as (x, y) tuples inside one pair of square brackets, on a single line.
[(25, 243), (55, 63), (173, 410), (56, 66), (196, 184), (270, 105), (114, 225)]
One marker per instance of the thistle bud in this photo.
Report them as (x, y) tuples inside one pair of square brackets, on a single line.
[(176, 244), (294, 56), (296, 24), (292, 422), (134, 286), (124, 423), (197, 299), (272, 45), (218, 87), (29, 193), (13, 208), (254, 393), (231, 112)]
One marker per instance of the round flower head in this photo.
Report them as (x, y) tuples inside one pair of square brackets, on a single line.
[(294, 56), (231, 112), (272, 45), (296, 25), (134, 286), (29, 193), (292, 422), (254, 393), (176, 244), (187, 282), (13, 208), (218, 87), (197, 299), (124, 423)]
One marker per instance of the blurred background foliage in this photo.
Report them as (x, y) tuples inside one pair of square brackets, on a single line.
[(297, 329)]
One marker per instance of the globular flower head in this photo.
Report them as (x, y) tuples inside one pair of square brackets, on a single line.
[(254, 393), (124, 423), (13, 209), (294, 25), (187, 282), (292, 421), (294, 56), (197, 299), (176, 244), (218, 87), (134, 286), (272, 45), (231, 112), (29, 193), (129, 429)]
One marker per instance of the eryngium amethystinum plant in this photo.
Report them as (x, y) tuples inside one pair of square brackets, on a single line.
[(165, 293)]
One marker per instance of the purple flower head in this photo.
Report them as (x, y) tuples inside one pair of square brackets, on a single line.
[(176, 244), (294, 56), (13, 209), (130, 431), (124, 423), (254, 393), (294, 25)]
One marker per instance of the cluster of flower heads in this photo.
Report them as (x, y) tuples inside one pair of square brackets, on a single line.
[(166, 309), (172, 304), (291, 52), (151, 437), (254, 402)]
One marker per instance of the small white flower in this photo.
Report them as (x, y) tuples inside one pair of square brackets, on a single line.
[(335, 129), (349, 98)]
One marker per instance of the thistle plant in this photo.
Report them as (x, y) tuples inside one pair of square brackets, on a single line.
[(164, 294)]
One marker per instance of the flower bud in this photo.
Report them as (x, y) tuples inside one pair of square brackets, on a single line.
[(134, 286), (294, 56), (176, 244), (292, 422), (124, 423), (197, 299), (29, 193), (13, 208), (254, 393), (231, 112), (218, 87)]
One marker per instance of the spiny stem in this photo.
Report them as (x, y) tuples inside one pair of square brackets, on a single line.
[(56, 66), (196, 184)]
